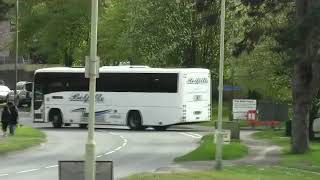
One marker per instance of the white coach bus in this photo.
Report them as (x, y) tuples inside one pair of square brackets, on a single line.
[(134, 96)]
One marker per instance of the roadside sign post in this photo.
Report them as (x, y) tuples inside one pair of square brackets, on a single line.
[(221, 67), (92, 71)]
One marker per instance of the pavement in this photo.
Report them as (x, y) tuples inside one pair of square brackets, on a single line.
[(261, 152)]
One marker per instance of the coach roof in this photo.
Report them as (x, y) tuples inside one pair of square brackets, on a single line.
[(122, 69)]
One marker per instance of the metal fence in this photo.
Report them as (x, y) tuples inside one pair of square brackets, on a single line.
[(273, 111)]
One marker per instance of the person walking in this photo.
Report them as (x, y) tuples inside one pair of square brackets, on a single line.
[(13, 120), (5, 118)]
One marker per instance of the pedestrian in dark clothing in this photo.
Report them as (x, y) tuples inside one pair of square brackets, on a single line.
[(5, 118), (13, 121)]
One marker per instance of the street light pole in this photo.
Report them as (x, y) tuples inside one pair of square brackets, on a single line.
[(17, 51), (221, 68), (90, 160)]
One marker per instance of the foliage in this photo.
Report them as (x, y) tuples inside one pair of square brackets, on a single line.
[(4, 8), (55, 30)]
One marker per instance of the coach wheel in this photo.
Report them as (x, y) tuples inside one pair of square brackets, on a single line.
[(160, 128), (134, 121), (56, 118)]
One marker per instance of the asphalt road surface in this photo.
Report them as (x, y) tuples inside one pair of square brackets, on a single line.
[(131, 152)]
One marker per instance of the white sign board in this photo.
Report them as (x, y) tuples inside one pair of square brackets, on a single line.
[(226, 134), (240, 107)]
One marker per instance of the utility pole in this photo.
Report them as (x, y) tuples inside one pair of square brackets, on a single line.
[(90, 160), (221, 68), (17, 52)]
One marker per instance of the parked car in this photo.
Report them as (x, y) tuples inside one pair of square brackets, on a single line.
[(4, 91), (23, 96)]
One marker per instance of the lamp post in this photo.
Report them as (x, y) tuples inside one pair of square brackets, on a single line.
[(90, 157), (221, 68), (17, 51)]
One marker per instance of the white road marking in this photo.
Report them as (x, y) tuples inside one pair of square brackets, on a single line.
[(4, 175), (53, 166), (190, 135), (118, 148), (195, 134), (30, 170), (108, 153)]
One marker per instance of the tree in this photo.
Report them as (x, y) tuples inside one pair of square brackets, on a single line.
[(297, 36), (4, 9), (56, 30), (166, 33)]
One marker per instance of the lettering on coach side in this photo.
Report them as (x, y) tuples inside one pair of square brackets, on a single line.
[(197, 81), (85, 98)]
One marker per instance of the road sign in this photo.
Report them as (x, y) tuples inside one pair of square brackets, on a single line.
[(231, 88), (240, 107)]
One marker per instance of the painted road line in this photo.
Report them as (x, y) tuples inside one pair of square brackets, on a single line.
[(1, 175), (190, 135), (195, 134), (53, 166), (30, 170)]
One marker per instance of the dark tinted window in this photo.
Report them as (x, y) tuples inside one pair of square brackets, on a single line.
[(108, 82), (138, 82), (55, 82)]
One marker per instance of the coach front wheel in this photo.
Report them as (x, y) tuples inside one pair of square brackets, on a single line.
[(134, 121), (56, 118)]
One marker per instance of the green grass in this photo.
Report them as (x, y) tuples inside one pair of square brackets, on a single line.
[(25, 137), (206, 151), (308, 161), (231, 173)]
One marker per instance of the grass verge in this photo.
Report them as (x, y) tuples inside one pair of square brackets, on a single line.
[(25, 137), (206, 151), (231, 173), (308, 161)]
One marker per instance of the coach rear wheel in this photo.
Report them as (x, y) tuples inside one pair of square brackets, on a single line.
[(134, 121), (56, 118)]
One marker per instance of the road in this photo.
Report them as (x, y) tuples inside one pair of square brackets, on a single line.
[(131, 152)]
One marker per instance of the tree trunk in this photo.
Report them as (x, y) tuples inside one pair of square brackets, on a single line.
[(305, 86), (301, 109)]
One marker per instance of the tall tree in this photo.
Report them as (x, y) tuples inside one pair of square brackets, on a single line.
[(295, 27)]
